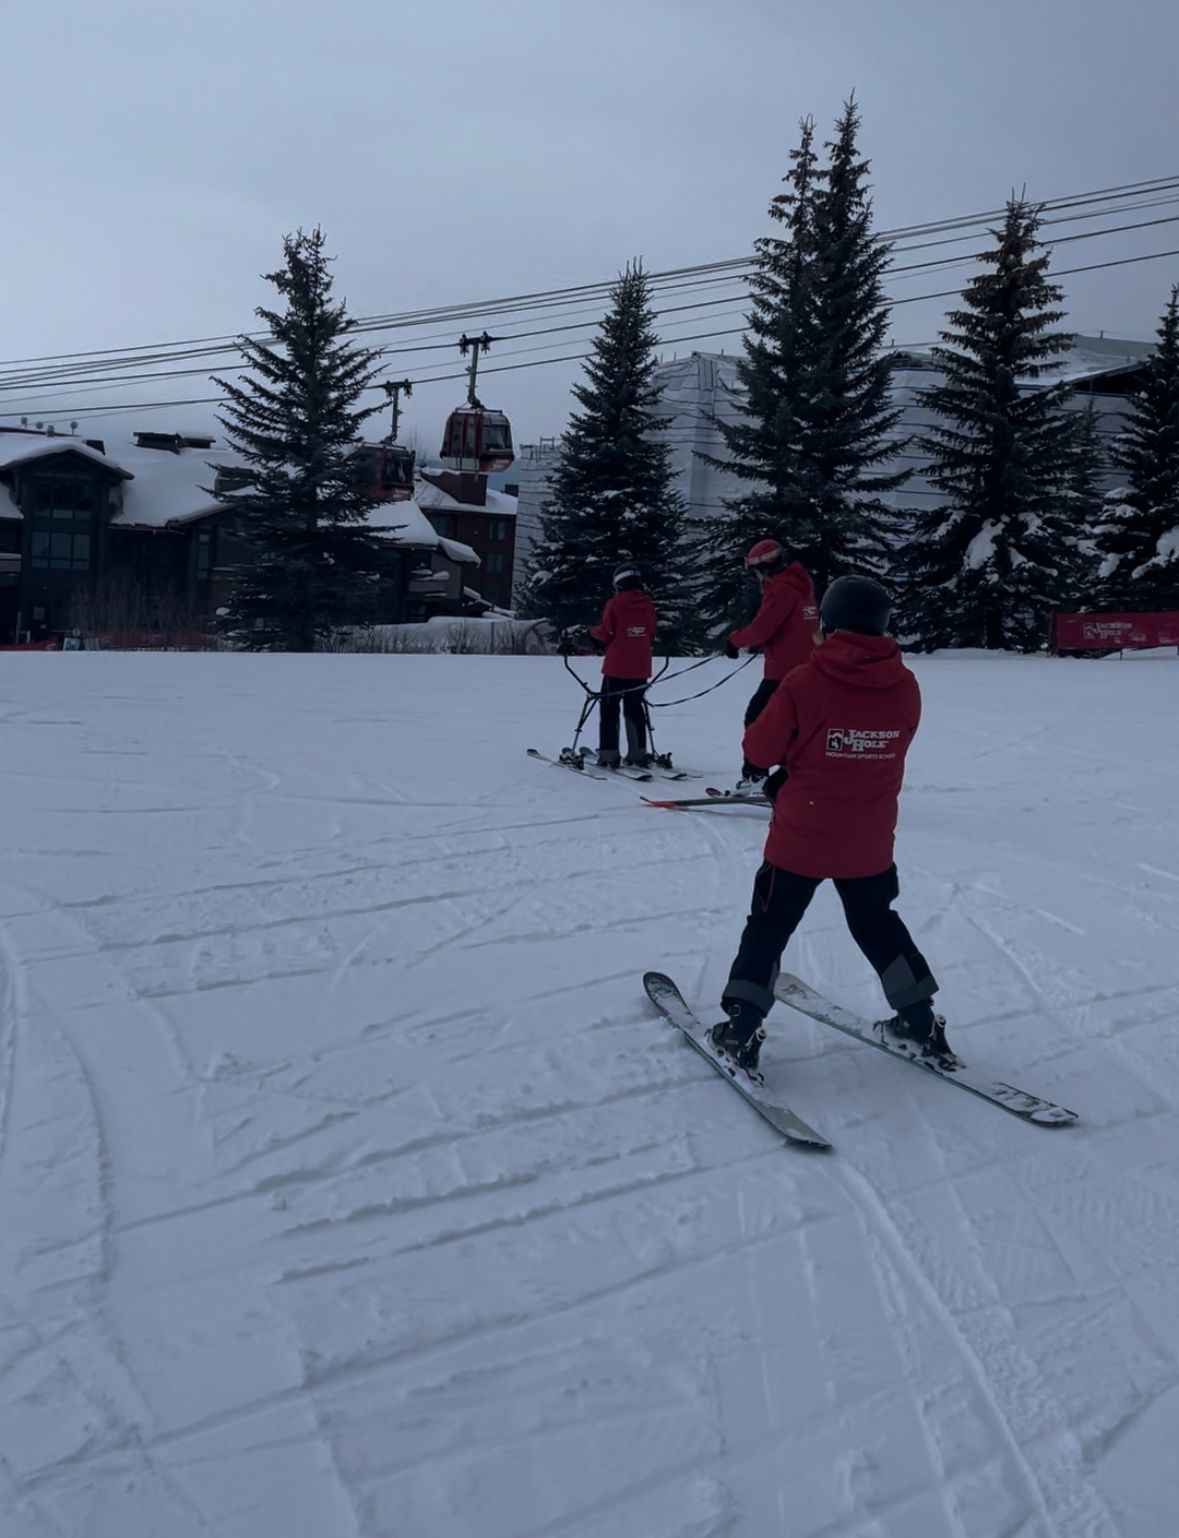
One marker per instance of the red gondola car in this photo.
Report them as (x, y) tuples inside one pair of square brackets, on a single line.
[(385, 470), (477, 439)]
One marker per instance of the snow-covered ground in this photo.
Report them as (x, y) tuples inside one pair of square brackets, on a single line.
[(350, 1187)]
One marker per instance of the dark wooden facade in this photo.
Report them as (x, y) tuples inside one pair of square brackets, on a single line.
[(67, 559), (490, 531)]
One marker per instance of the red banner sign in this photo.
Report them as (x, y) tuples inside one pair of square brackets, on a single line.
[(1114, 632), (35, 646)]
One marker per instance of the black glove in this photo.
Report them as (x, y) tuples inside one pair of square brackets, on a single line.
[(774, 783), (565, 643), (731, 651)]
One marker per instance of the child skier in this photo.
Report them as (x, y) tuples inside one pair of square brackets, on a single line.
[(839, 726), (784, 629), (627, 631)]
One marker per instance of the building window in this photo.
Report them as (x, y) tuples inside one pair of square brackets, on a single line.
[(61, 514), (499, 530), (445, 524), (62, 501), (204, 555), (59, 550), (494, 562)]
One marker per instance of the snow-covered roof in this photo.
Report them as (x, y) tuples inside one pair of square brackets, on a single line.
[(163, 489), (410, 526), (436, 500), (168, 488), (1090, 357), (406, 521), (1093, 356), (459, 552), (16, 448)]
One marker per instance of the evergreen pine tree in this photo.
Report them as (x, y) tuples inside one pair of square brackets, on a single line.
[(295, 421), (819, 417), (766, 445), (1086, 503), (852, 422), (613, 496), (986, 567), (1138, 539)]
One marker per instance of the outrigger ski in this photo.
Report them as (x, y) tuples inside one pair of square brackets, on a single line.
[(671, 1004), (574, 761), (565, 763), (626, 772), (799, 995)]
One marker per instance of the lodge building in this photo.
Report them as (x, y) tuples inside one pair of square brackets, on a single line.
[(139, 536)]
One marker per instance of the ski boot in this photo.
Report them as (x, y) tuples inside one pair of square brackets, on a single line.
[(637, 760), (751, 785), (740, 1036), (920, 1027), (608, 758)]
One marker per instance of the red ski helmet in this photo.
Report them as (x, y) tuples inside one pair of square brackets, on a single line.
[(767, 553)]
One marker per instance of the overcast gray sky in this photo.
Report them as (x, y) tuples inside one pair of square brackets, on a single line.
[(154, 154)]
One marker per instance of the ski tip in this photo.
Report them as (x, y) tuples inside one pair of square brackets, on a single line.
[(815, 1144), (1054, 1116), (663, 806), (657, 982)]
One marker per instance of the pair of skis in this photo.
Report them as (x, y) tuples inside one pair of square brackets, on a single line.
[(763, 1097), (569, 760)]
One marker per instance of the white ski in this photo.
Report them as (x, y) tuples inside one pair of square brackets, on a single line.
[(801, 996), (671, 1003)]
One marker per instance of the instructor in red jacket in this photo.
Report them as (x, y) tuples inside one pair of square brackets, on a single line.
[(839, 727), (627, 630), (783, 628)]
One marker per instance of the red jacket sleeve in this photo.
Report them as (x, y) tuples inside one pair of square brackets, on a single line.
[(777, 606), (768, 740), (604, 631)]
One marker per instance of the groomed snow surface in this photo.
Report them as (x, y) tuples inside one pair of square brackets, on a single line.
[(349, 1186)]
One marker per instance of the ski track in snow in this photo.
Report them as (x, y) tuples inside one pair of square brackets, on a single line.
[(350, 1186)]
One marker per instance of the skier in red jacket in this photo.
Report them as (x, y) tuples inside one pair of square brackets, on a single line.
[(627, 630), (783, 628), (839, 726)]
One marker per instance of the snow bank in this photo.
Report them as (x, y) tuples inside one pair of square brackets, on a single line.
[(349, 1186)]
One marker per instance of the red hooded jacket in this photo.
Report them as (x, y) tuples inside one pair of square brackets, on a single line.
[(841, 725), (785, 624), (628, 631)]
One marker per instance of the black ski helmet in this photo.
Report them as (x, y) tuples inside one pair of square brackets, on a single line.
[(855, 603), (627, 576)]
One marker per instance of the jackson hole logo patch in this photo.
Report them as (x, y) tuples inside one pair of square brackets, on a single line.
[(855, 742)]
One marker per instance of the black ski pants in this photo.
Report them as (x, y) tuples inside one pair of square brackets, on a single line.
[(629, 693), (780, 898), (762, 696)]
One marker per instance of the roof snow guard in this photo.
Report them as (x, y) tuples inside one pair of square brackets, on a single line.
[(172, 443)]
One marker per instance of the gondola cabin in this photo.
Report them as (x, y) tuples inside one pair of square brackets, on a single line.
[(385, 471), (477, 439)]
